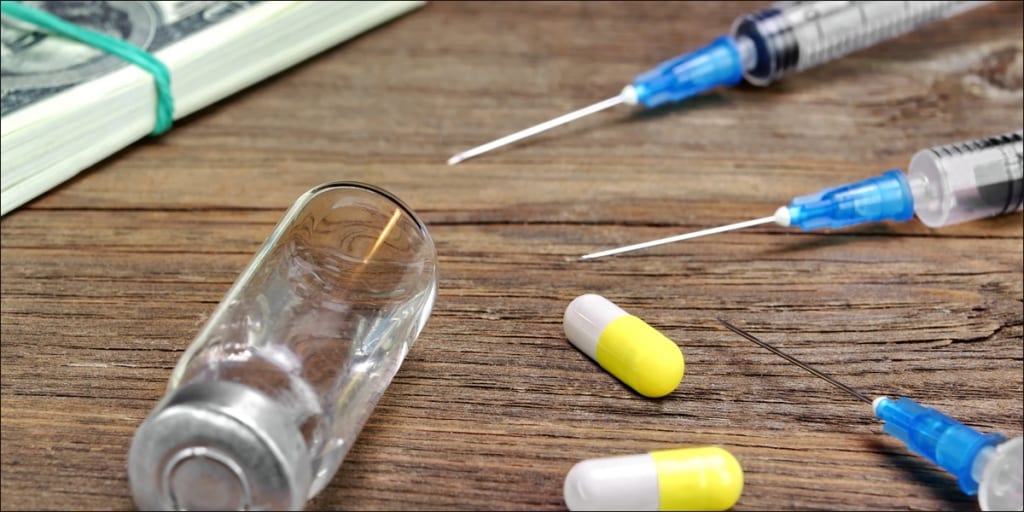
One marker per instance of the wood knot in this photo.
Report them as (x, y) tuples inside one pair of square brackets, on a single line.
[(999, 74)]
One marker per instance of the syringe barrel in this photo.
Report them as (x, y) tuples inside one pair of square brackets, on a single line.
[(800, 35), (969, 180), (1000, 471)]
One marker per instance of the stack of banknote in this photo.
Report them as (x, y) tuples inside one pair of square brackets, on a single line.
[(66, 105)]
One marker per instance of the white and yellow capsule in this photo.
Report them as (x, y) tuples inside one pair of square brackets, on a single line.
[(704, 478), (624, 345)]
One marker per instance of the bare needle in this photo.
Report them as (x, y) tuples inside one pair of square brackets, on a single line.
[(678, 238), (795, 361), (535, 129)]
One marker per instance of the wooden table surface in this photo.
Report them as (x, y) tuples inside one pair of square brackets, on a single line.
[(107, 279)]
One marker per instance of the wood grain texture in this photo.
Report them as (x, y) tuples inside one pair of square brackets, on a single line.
[(106, 279)]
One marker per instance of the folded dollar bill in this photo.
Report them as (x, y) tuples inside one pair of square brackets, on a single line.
[(65, 106)]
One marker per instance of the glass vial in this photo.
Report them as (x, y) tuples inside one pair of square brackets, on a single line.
[(265, 403)]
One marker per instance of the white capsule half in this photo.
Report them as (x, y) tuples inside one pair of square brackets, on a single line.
[(615, 483)]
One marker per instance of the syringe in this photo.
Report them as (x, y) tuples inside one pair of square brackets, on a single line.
[(988, 465), (944, 185), (763, 47)]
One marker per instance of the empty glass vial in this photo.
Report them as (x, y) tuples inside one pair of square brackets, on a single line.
[(263, 406)]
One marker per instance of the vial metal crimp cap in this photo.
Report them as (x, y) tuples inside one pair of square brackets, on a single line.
[(219, 445)]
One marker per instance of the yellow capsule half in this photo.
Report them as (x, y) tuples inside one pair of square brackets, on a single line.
[(704, 478), (624, 345)]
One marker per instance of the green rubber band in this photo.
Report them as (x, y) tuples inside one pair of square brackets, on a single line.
[(116, 47)]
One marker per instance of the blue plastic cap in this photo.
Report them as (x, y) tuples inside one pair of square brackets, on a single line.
[(946, 442), (885, 197), (693, 73)]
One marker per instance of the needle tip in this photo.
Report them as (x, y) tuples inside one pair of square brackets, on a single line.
[(455, 159), (601, 254)]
